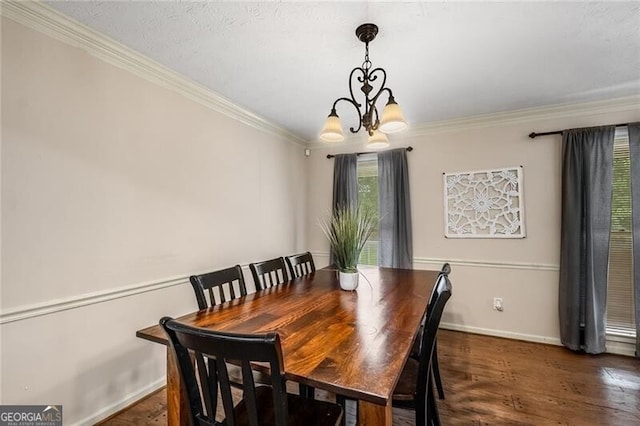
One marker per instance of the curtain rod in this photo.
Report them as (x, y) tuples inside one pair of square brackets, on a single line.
[(534, 135), (409, 149)]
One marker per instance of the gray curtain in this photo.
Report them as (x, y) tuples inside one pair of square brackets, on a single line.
[(634, 153), (395, 247), (345, 183), (345, 180), (587, 174)]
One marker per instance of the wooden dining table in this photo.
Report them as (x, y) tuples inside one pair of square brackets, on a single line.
[(352, 343)]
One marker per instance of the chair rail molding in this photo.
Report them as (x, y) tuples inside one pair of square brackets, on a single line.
[(46, 20), (63, 304), (77, 301), (24, 312), (488, 264), (478, 263)]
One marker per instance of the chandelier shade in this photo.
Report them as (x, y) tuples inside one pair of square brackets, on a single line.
[(377, 140), (372, 86), (332, 130), (392, 120)]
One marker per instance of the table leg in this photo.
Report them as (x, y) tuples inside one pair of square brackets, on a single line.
[(373, 414), (177, 407)]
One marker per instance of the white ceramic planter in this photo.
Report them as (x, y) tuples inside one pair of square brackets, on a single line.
[(349, 280)]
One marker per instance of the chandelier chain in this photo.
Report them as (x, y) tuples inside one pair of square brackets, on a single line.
[(366, 65)]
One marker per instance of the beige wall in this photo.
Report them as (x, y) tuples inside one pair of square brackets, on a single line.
[(115, 189), (111, 183), (1, 338), (524, 272)]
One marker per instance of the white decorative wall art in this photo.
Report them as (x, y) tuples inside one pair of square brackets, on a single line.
[(484, 204)]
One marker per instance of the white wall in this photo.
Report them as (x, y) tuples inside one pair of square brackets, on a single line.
[(524, 272), (114, 190)]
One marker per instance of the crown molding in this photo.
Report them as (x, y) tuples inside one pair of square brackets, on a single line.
[(551, 112), (350, 141), (46, 20)]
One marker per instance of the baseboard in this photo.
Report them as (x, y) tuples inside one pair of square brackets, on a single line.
[(124, 403), (616, 347), (501, 333)]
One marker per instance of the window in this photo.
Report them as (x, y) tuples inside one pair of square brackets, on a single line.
[(368, 198), (620, 303)]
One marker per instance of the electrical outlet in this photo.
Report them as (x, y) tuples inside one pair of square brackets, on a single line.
[(497, 304)]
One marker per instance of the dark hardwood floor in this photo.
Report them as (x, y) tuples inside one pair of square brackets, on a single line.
[(491, 381)]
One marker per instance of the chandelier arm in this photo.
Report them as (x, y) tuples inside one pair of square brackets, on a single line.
[(383, 89), (360, 79), (356, 106), (375, 123), (373, 77)]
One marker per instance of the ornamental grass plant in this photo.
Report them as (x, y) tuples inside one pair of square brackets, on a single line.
[(348, 229)]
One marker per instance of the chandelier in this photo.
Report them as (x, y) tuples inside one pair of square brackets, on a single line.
[(392, 119)]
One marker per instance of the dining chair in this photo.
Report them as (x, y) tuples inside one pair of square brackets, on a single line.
[(415, 351), (414, 389), (216, 284), (269, 273), (264, 405), (300, 264)]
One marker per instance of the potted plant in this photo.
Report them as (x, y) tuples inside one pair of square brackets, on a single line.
[(348, 229)]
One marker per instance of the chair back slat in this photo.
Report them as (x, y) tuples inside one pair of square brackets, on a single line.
[(207, 375), (250, 393), (300, 265), (269, 273), (216, 284), (225, 392), (445, 270), (442, 292), (219, 348)]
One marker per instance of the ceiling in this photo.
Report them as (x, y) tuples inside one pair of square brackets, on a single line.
[(288, 61)]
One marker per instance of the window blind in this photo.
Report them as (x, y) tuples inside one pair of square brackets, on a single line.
[(620, 306), (368, 198)]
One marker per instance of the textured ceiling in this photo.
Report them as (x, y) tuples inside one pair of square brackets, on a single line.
[(288, 62)]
